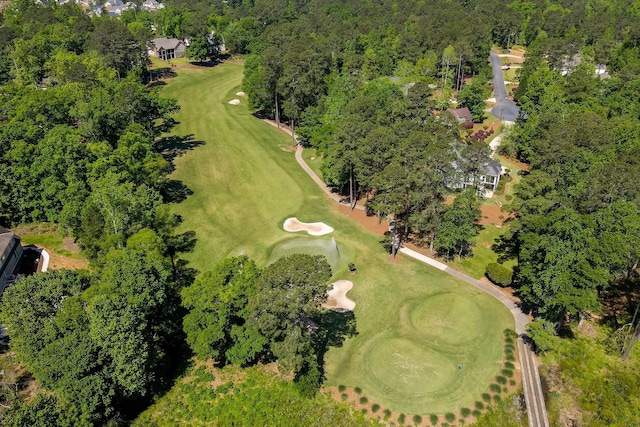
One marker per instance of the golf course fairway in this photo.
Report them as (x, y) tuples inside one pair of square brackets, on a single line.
[(426, 342)]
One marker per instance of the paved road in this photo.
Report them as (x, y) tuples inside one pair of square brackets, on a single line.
[(532, 387), (505, 109)]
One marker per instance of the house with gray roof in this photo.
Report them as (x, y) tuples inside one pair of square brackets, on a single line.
[(10, 253), (167, 49), (485, 180)]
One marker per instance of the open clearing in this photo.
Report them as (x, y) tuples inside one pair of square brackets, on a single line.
[(415, 324)]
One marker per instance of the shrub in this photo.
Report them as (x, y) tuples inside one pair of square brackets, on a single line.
[(375, 407), (496, 398), (341, 388), (434, 419), (499, 274), (543, 334), (476, 413), (479, 405), (495, 388), (357, 390), (486, 397), (501, 380), (511, 357), (449, 417), (363, 400), (507, 373), (512, 382), (504, 389), (509, 365), (344, 396), (417, 419), (364, 411), (465, 412), (387, 414), (401, 418)]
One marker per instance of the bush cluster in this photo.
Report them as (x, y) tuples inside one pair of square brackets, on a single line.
[(499, 274)]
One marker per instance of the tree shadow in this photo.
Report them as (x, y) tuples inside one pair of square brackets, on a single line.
[(211, 62), (334, 327), (506, 248), (619, 302), (175, 191), (173, 146), (154, 76)]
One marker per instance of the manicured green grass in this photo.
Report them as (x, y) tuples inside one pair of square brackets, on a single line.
[(415, 324), (311, 157), (475, 266)]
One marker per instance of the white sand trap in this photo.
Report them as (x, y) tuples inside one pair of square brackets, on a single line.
[(234, 102), (240, 93), (337, 297), (313, 228)]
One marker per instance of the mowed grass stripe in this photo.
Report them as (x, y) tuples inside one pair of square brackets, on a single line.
[(245, 185)]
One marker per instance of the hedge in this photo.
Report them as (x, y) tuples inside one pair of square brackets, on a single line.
[(499, 274)]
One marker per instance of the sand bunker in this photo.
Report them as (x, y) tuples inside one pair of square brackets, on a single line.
[(234, 102), (313, 228), (240, 93), (337, 297)]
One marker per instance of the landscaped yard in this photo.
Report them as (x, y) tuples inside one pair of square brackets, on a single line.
[(426, 342)]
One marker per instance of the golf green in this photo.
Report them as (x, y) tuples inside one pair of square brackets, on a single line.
[(415, 325)]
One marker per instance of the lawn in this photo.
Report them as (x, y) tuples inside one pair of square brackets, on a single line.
[(475, 266), (415, 324)]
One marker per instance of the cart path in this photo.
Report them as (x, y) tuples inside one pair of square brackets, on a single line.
[(531, 385)]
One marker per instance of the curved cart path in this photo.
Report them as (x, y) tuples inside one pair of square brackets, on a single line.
[(532, 387)]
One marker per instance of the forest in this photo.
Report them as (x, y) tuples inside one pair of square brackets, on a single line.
[(365, 84)]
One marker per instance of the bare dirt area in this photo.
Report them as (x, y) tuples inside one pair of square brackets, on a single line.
[(493, 215), (57, 262), (371, 223)]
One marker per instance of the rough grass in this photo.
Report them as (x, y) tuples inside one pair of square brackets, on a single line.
[(247, 397), (415, 324)]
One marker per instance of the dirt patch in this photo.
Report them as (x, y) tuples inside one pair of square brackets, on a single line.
[(337, 297), (371, 223), (57, 262), (493, 215)]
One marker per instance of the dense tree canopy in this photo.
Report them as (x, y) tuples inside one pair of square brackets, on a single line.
[(240, 314)]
